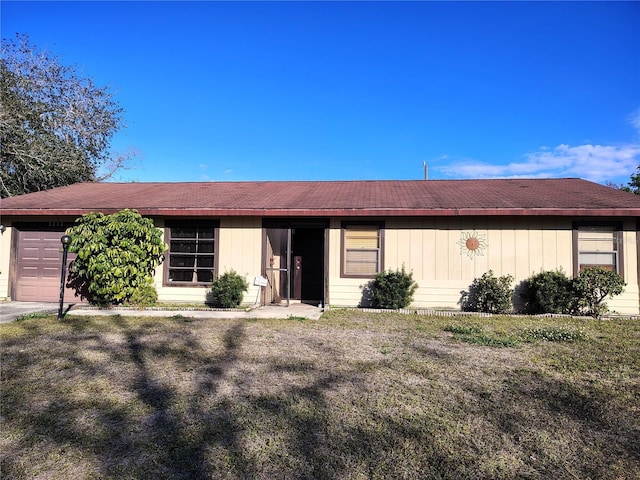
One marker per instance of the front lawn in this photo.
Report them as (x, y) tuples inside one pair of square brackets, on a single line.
[(353, 395)]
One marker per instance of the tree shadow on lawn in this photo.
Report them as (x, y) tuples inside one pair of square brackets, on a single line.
[(109, 410), (134, 429), (139, 401), (569, 429)]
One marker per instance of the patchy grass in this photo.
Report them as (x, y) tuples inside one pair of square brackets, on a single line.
[(352, 395), (32, 316)]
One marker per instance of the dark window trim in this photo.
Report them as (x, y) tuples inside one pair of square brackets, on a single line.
[(618, 239), (167, 238), (344, 225)]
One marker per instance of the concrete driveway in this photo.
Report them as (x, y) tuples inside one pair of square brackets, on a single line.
[(9, 311)]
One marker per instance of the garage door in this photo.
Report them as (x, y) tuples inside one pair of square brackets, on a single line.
[(39, 263)]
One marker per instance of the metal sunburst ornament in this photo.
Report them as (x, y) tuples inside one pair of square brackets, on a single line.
[(472, 243)]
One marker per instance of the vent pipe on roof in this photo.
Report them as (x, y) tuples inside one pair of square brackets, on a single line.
[(426, 170)]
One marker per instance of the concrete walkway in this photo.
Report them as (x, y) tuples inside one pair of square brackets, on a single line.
[(9, 311)]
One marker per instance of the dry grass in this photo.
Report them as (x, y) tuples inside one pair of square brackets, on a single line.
[(353, 395)]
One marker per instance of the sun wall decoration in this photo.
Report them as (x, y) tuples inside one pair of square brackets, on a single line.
[(472, 243)]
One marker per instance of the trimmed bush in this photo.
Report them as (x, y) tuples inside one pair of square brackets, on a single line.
[(393, 289), (488, 294), (548, 292), (227, 290), (145, 296)]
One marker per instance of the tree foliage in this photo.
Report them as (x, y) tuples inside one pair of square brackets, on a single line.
[(117, 256), (55, 125), (634, 183)]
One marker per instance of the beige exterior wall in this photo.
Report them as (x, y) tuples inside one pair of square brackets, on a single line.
[(5, 261), (627, 303), (239, 249), (433, 249)]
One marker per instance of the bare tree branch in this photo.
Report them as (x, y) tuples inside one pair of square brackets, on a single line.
[(55, 126)]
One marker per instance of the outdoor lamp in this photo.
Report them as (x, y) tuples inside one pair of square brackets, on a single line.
[(65, 240)]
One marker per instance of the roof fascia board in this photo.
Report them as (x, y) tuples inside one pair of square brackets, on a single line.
[(208, 212)]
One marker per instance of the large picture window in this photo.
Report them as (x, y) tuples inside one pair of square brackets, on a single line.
[(192, 252), (598, 246), (362, 250)]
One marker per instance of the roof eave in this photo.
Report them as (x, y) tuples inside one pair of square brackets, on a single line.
[(333, 212)]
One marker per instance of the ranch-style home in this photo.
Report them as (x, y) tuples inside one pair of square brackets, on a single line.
[(322, 242)]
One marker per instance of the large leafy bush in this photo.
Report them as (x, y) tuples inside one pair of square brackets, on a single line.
[(227, 290), (117, 256), (393, 289), (488, 294), (548, 292)]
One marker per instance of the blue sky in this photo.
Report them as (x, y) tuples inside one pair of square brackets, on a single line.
[(227, 91)]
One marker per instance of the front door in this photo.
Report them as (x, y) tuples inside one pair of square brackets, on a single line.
[(294, 262), (307, 247)]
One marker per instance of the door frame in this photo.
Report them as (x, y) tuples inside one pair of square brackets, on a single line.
[(289, 225)]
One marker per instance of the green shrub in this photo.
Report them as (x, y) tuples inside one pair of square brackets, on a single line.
[(144, 296), (393, 289), (117, 255), (548, 292), (488, 294), (592, 286), (227, 290)]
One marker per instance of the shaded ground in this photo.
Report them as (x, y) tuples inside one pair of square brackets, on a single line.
[(348, 396)]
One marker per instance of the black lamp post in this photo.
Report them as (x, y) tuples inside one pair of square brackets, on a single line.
[(65, 240)]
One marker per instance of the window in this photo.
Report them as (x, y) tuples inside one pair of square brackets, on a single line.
[(361, 250), (192, 247), (598, 246)]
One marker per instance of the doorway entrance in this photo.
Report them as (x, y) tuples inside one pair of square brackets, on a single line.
[(294, 261)]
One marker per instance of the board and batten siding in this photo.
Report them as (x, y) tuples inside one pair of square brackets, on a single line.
[(433, 249), (239, 248)]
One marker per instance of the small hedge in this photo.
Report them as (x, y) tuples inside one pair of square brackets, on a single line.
[(554, 292), (393, 289), (144, 296), (488, 294), (228, 290), (548, 292)]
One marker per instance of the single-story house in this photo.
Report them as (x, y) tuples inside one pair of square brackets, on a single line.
[(322, 241)]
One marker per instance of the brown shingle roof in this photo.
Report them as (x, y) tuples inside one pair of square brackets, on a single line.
[(567, 196)]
